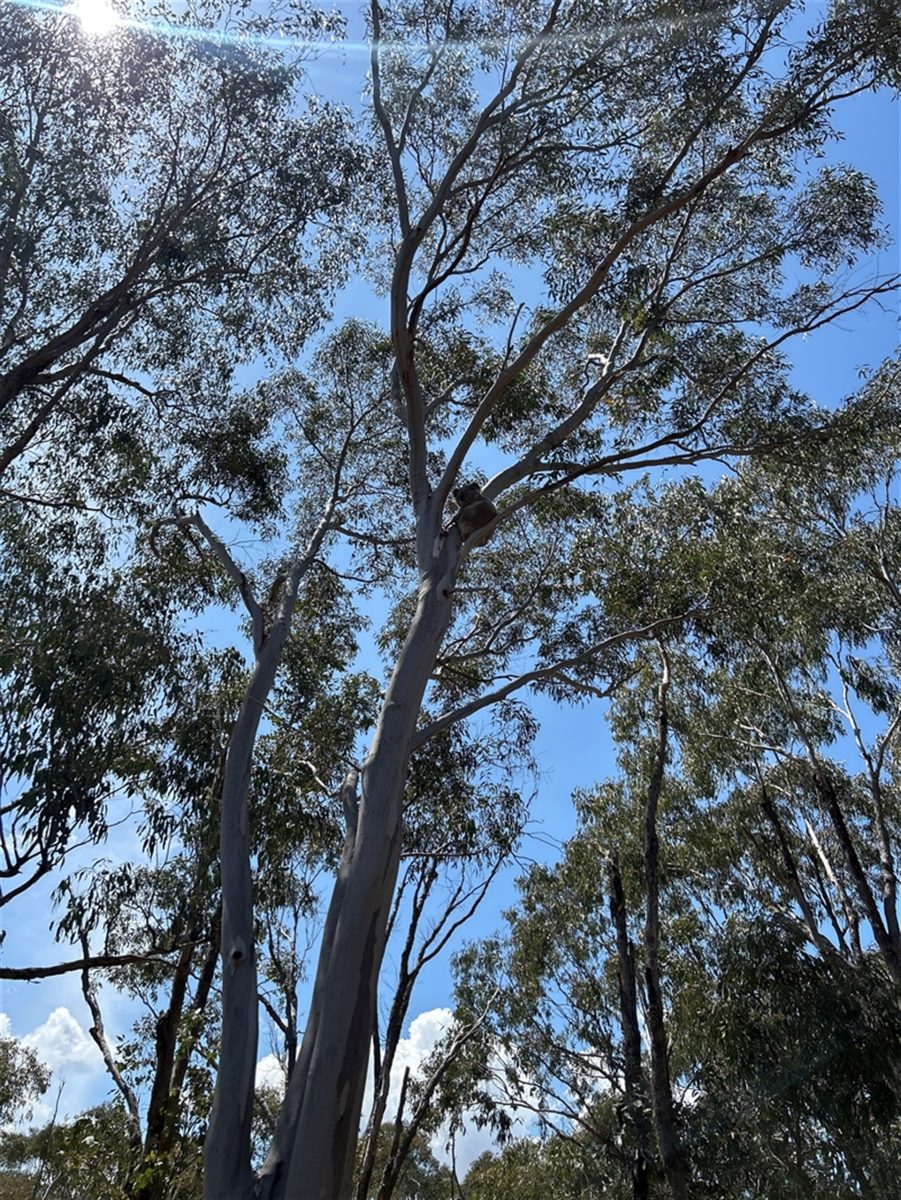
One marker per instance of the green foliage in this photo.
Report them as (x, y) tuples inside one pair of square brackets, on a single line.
[(156, 194), (23, 1078), (782, 1020), (794, 1091), (90, 667), (87, 1159), (532, 1170)]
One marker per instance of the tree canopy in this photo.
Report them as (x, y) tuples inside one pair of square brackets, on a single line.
[(573, 243)]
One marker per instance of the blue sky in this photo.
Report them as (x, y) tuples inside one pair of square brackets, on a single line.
[(573, 748)]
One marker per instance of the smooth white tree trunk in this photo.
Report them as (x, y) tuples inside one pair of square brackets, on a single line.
[(227, 1173), (313, 1152)]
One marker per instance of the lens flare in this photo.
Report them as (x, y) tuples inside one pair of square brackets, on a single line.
[(97, 17)]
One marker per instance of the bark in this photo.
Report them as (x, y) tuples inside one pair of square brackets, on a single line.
[(888, 946), (159, 1108), (313, 1150), (793, 878), (672, 1153), (227, 1173), (633, 1077)]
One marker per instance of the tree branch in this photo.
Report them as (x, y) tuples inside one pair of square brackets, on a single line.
[(641, 633)]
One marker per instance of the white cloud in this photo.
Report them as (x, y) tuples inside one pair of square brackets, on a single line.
[(426, 1030), (412, 1050), (424, 1033), (62, 1042), (270, 1073)]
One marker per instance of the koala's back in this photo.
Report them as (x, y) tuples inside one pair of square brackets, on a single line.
[(474, 511)]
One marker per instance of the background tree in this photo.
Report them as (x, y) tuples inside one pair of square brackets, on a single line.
[(23, 1078), (156, 196), (749, 982), (85, 1158)]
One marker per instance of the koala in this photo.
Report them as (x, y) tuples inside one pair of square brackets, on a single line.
[(473, 512)]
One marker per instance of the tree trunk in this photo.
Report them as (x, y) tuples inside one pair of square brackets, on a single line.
[(313, 1151), (633, 1077), (159, 1109), (881, 935), (227, 1173), (382, 1074), (226, 1152), (671, 1151)]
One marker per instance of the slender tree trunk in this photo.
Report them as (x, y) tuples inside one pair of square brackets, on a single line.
[(672, 1153), (848, 936), (792, 876), (634, 1082), (162, 1125), (313, 1151), (393, 1030), (888, 948), (226, 1152), (227, 1173), (395, 1160), (201, 997), (159, 1109)]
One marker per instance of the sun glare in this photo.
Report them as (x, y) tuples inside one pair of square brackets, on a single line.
[(97, 17)]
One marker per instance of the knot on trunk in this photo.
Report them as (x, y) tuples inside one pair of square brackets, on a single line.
[(237, 953)]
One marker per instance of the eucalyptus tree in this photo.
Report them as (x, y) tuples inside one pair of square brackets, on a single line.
[(792, 720), (580, 1040), (157, 195), (85, 1158), (152, 930), (528, 1169), (713, 873), (156, 200), (23, 1077), (652, 173), (90, 666)]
